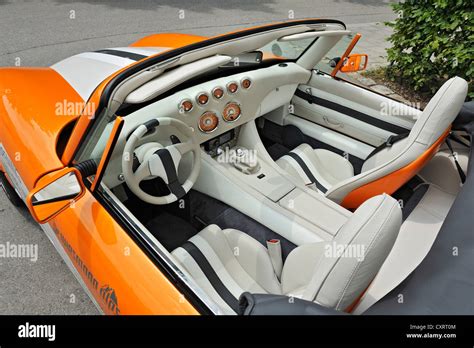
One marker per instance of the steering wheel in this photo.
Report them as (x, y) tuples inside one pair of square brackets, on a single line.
[(158, 161)]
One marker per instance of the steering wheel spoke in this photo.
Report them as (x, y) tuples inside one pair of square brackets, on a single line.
[(184, 148), (142, 172)]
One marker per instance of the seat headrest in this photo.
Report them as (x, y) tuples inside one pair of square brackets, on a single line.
[(440, 111)]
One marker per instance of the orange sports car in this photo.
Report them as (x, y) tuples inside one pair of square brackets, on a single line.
[(243, 174)]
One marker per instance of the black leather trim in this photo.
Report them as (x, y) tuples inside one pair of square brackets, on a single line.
[(389, 127), (211, 275), (123, 54), (151, 124), (173, 184), (308, 173)]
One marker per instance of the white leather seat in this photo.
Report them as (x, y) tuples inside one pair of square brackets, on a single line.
[(226, 263), (326, 168), (387, 170)]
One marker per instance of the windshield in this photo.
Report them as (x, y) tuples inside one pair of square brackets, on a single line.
[(291, 50)]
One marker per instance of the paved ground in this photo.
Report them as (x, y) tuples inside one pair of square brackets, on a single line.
[(42, 32)]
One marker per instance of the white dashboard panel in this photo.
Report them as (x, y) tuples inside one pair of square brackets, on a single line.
[(271, 88)]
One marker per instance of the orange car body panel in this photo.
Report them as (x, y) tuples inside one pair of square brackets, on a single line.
[(171, 40), (97, 245), (29, 118), (107, 257), (392, 182)]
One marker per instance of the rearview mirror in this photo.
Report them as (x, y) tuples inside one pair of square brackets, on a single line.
[(54, 194), (354, 62), (245, 59)]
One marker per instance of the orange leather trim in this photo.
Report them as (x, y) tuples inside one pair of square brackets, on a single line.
[(393, 181)]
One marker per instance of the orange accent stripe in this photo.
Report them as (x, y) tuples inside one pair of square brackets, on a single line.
[(354, 304), (118, 124), (393, 181), (346, 54)]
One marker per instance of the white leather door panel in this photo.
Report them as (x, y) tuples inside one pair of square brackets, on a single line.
[(327, 136), (339, 122), (352, 110)]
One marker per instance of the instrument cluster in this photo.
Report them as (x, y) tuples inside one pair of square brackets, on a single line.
[(209, 120)]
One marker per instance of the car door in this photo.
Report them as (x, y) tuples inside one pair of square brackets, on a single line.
[(114, 269), (336, 108)]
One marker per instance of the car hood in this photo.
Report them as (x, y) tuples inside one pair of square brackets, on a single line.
[(35, 105), (85, 71)]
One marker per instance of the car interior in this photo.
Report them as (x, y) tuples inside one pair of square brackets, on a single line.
[(255, 171)]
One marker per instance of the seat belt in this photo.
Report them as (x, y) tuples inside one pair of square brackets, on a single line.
[(308, 172), (462, 175), (388, 143)]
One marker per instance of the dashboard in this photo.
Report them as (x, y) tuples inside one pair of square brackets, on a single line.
[(213, 108)]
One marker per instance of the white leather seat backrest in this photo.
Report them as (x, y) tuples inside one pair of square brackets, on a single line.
[(340, 279), (431, 124), (440, 111)]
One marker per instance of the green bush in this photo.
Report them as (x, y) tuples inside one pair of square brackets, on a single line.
[(433, 40)]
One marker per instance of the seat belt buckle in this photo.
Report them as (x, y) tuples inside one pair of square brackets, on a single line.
[(389, 141), (274, 251)]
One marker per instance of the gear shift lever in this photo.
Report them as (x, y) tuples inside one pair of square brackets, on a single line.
[(245, 160)]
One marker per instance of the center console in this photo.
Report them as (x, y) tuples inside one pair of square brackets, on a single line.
[(237, 170)]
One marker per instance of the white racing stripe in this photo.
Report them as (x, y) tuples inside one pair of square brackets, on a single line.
[(85, 71), (145, 51)]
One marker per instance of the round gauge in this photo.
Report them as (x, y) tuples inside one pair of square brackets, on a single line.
[(202, 98), (218, 92), (231, 112), (208, 122), (185, 106), (246, 83), (232, 87)]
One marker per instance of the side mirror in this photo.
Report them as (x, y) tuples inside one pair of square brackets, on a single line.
[(354, 62), (54, 194)]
